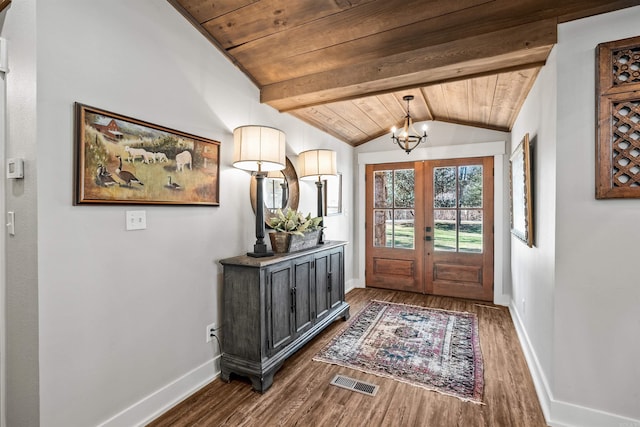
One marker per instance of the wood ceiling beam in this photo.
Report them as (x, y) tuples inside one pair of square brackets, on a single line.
[(4, 4), (519, 46)]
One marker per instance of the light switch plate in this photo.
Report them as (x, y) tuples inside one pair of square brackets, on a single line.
[(11, 223), (136, 220)]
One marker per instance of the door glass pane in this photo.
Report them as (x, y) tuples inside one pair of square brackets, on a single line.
[(404, 185), (404, 230), (470, 236), (470, 184), (382, 228), (445, 230), (383, 189), (394, 200), (444, 187)]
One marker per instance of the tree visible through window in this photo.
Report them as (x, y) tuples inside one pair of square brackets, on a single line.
[(457, 208), (394, 213)]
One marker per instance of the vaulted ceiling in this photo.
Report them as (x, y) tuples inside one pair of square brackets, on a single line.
[(344, 66)]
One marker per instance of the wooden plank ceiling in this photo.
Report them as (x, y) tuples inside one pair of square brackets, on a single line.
[(4, 4), (343, 66)]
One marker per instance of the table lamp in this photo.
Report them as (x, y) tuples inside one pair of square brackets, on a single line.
[(259, 149), (317, 163)]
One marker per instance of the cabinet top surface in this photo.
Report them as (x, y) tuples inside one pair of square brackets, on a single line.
[(248, 261)]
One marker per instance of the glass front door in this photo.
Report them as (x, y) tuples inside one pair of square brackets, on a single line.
[(430, 227)]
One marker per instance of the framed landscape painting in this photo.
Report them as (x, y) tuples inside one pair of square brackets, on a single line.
[(521, 197), (121, 160)]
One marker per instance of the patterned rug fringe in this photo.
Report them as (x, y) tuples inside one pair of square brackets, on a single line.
[(422, 307)]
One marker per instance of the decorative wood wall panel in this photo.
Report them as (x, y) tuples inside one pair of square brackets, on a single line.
[(458, 273), (393, 267), (618, 119)]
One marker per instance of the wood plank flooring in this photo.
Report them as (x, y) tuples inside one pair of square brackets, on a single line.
[(301, 394)]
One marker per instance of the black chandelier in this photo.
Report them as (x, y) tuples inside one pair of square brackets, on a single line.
[(408, 138)]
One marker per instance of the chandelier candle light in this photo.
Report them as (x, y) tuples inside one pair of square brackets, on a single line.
[(259, 149), (408, 138), (320, 164)]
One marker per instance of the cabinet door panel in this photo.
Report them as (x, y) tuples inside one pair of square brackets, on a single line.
[(302, 293), (322, 284), (280, 307), (335, 279)]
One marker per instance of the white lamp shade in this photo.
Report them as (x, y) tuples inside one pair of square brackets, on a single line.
[(317, 163), (259, 148)]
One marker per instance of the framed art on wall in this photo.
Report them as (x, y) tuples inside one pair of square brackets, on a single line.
[(121, 160), (618, 119), (521, 195)]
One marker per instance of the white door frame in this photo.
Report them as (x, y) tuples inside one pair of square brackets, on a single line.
[(483, 149)]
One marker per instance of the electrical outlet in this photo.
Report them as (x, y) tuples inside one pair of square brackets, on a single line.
[(136, 220), (211, 330)]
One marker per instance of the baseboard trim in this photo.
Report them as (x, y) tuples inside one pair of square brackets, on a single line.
[(163, 399), (558, 413), (539, 380), (569, 415), (504, 300), (351, 285)]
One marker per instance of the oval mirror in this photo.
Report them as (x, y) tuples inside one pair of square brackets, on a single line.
[(280, 191)]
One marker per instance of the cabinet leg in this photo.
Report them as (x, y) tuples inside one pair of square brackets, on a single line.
[(225, 375), (346, 316), (261, 384)]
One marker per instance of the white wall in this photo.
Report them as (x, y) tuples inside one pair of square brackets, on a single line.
[(122, 314), (579, 322), (597, 306), (533, 268), (22, 401)]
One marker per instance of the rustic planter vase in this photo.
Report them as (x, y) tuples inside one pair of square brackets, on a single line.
[(284, 242)]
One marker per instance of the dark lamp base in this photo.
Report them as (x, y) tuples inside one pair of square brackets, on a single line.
[(260, 251), (259, 254)]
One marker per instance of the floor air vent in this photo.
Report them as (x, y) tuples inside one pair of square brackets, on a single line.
[(354, 385)]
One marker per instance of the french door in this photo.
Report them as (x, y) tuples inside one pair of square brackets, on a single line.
[(429, 227)]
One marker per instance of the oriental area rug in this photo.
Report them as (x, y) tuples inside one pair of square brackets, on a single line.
[(434, 349)]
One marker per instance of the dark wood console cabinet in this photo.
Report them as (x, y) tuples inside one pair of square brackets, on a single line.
[(273, 306)]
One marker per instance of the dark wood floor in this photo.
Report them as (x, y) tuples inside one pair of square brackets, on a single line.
[(301, 394)]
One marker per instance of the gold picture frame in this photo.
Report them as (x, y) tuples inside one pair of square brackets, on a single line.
[(121, 160), (521, 193)]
